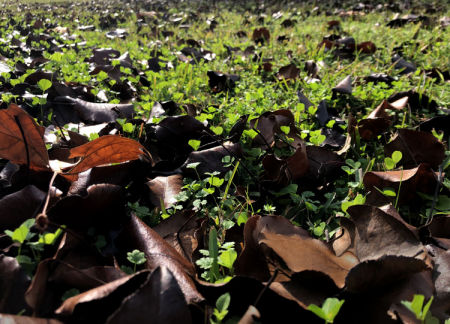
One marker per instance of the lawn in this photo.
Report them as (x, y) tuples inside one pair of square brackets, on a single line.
[(224, 162)]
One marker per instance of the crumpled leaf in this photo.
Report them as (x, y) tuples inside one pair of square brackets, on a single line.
[(296, 249), (21, 139), (184, 231), (416, 147), (105, 150), (269, 124)]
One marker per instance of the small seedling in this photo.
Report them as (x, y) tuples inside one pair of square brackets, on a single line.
[(221, 310), (391, 162), (136, 257), (329, 310), (420, 310)]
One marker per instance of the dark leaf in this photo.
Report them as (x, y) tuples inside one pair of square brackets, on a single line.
[(158, 300), (137, 235), (416, 147), (13, 284)]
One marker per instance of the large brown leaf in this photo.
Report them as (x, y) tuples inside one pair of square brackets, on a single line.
[(21, 139), (378, 233), (158, 300), (137, 235), (416, 147), (97, 304), (105, 150), (406, 183), (297, 250)]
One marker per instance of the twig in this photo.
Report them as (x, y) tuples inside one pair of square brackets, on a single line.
[(272, 278), (42, 219)]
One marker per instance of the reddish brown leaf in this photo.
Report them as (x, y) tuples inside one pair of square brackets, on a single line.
[(21, 139), (105, 150), (366, 47)]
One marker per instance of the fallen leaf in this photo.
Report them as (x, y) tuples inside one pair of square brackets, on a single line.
[(419, 179), (158, 300), (416, 147), (90, 112), (21, 139), (288, 72), (344, 86), (164, 189), (378, 234), (97, 304), (137, 235), (20, 206), (105, 150), (13, 284)]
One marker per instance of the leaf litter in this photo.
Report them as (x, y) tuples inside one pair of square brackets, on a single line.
[(256, 174)]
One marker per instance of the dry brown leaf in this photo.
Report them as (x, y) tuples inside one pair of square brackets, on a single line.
[(21, 139), (105, 150)]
